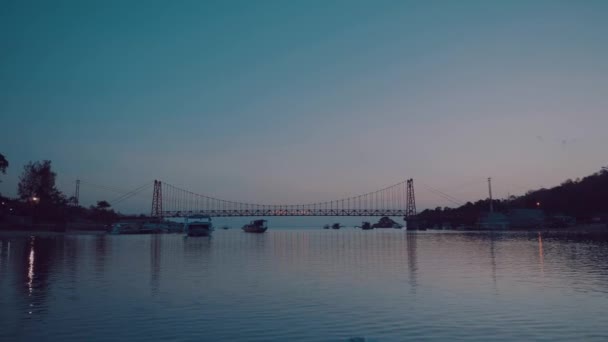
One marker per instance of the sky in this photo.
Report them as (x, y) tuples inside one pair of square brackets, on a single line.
[(304, 101)]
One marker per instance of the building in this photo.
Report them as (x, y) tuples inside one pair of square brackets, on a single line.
[(493, 220), (526, 218)]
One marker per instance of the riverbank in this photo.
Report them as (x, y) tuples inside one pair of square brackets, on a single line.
[(54, 227)]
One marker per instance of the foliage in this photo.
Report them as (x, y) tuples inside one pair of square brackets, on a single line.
[(580, 198), (3, 164), (102, 213), (38, 181), (102, 205), (40, 200)]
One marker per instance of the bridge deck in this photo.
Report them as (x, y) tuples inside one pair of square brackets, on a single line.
[(287, 212)]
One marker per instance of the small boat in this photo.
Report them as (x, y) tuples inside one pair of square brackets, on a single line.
[(366, 226), (225, 227), (201, 226), (257, 226), (125, 228), (326, 226), (336, 226)]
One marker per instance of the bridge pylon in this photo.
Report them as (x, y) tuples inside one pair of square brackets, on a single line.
[(410, 210), (157, 200)]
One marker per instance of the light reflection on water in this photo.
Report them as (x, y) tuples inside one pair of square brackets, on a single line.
[(305, 285)]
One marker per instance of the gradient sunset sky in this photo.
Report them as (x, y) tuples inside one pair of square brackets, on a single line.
[(301, 101)]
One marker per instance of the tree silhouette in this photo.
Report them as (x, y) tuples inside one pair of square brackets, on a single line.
[(102, 205), (102, 212), (581, 198), (38, 181), (3, 164)]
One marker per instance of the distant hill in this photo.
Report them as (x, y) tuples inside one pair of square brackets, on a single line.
[(581, 198)]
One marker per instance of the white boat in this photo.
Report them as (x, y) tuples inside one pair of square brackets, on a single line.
[(199, 225), (125, 228)]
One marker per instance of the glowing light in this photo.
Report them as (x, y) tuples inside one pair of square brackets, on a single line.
[(538, 204)]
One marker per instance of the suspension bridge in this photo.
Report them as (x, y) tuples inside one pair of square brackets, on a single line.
[(395, 200)]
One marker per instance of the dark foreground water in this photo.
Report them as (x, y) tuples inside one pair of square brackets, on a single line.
[(305, 285)]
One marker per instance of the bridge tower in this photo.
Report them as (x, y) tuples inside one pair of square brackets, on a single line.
[(157, 200), (410, 210)]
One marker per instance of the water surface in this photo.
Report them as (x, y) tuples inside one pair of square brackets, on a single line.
[(305, 285)]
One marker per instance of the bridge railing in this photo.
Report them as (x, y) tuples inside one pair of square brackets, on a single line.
[(286, 212), (169, 200)]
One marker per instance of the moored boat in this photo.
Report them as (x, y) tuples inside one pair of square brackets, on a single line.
[(125, 228), (200, 226), (154, 228), (366, 226), (336, 226), (256, 226)]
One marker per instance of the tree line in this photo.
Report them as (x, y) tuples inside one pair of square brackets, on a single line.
[(582, 199), (40, 200)]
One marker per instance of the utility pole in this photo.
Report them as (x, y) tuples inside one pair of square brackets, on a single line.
[(490, 190)]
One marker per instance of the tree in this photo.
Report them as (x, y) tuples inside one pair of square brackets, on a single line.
[(38, 181), (3, 164), (102, 212), (103, 205)]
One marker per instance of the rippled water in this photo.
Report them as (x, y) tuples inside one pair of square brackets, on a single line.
[(305, 285)]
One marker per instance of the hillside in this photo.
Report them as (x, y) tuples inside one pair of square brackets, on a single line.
[(582, 198)]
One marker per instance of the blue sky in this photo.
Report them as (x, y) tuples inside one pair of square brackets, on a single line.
[(300, 101)]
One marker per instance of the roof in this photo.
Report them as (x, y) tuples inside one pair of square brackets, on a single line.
[(199, 217)]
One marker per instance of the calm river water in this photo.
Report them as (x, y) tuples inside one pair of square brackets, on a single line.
[(305, 285)]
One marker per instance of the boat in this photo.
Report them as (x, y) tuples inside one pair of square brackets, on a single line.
[(154, 228), (366, 226), (125, 228), (200, 226), (326, 226), (336, 226), (256, 226), (225, 227)]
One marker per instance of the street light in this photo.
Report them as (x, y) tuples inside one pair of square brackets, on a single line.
[(35, 199)]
